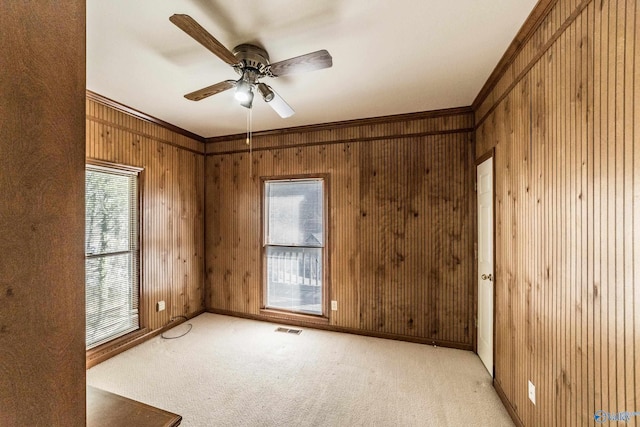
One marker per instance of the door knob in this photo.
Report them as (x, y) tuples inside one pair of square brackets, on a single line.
[(486, 277)]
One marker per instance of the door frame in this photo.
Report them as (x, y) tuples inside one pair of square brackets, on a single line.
[(490, 154)]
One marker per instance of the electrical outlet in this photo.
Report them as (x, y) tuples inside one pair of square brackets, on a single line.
[(532, 392), (160, 306), (334, 305)]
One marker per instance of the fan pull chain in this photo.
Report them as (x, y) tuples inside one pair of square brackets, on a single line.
[(251, 143), (249, 140), (248, 124)]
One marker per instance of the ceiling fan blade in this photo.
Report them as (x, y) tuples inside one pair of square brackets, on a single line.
[(303, 63), (202, 36), (210, 90), (279, 105)]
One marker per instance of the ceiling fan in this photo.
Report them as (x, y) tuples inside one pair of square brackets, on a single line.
[(252, 64)]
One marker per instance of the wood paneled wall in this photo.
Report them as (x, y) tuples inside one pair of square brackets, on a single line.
[(172, 245), (401, 222), (565, 123), (42, 366)]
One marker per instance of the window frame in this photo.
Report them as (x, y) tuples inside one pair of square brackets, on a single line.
[(118, 341), (281, 313)]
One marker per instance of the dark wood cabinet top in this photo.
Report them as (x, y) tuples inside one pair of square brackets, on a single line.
[(108, 409)]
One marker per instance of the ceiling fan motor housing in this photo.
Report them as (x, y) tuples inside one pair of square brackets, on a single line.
[(253, 58)]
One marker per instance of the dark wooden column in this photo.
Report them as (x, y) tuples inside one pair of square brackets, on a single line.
[(42, 153)]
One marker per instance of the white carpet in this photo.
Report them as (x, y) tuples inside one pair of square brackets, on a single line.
[(235, 372)]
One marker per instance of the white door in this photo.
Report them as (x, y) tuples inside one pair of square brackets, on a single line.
[(485, 263)]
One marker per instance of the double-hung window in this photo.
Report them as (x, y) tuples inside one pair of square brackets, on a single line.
[(111, 253), (294, 243)]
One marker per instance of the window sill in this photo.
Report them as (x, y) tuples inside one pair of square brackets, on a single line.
[(296, 317)]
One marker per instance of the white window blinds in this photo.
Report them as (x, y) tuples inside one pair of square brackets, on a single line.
[(111, 254)]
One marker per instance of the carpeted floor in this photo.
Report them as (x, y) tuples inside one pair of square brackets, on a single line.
[(235, 372)]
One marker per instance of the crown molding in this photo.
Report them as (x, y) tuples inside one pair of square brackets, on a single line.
[(142, 116), (531, 24), (350, 123)]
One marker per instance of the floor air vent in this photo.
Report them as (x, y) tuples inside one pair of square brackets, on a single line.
[(289, 331)]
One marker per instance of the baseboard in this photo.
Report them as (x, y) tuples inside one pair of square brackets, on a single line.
[(333, 328), (503, 397), (117, 346), (100, 354)]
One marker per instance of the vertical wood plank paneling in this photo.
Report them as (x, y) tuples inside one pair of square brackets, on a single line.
[(632, 169), (537, 353), (561, 262), (581, 46), (607, 212), (634, 292), (172, 207), (599, 221), (620, 178), (400, 249), (567, 216)]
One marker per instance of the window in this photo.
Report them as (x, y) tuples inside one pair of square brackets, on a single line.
[(111, 253), (294, 245)]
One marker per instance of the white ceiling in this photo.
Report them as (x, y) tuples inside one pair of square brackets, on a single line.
[(389, 57)]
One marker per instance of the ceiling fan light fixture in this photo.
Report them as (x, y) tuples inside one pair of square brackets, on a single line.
[(243, 92), (247, 102), (280, 106), (266, 92)]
